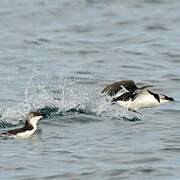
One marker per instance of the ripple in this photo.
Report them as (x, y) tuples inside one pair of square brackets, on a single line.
[(44, 40), (156, 27), (83, 72), (174, 149), (172, 55), (116, 172), (155, 1), (144, 160), (10, 168), (132, 67)]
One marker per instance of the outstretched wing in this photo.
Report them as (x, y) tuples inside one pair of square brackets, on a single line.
[(115, 87)]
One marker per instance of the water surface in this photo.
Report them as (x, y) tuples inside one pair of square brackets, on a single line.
[(56, 57)]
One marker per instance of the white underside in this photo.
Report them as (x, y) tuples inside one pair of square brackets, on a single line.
[(143, 100), (25, 134)]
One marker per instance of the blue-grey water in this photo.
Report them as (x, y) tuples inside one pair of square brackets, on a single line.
[(56, 56)]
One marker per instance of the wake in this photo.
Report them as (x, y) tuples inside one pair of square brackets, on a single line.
[(62, 100)]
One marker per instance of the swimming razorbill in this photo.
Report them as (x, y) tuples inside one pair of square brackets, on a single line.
[(28, 129), (134, 98)]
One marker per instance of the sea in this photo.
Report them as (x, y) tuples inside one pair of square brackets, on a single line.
[(56, 56)]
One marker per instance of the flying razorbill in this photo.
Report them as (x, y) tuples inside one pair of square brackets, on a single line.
[(134, 98), (28, 129)]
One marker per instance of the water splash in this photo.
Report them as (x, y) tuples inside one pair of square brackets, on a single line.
[(62, 98), (36, 94)]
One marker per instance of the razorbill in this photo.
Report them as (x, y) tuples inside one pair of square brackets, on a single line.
[(133, 97), (28, 129)]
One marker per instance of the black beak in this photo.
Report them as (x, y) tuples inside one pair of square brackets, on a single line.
[(39, 114), (169, 98), (43, 115)]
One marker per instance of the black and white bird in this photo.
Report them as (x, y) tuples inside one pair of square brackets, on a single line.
[(28, 129), (133, 97)]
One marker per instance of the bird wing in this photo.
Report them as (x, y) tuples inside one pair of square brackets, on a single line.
[(124, 97), (130, 95), (19, 130), (15, 131), (115, 87)]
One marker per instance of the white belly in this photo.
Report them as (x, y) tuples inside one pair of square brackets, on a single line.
[(25, 134), (142, 101)]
